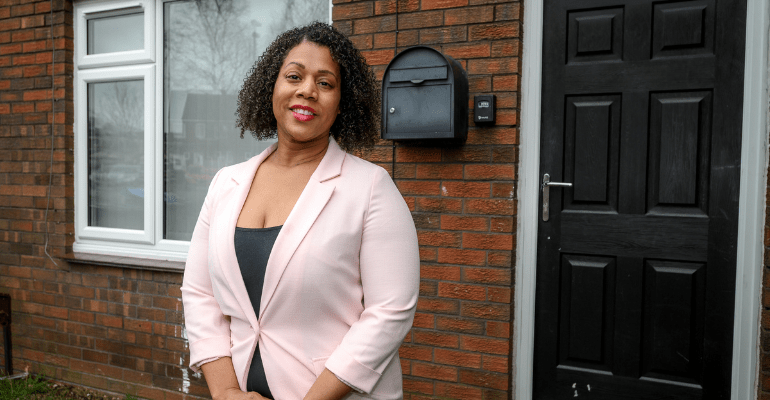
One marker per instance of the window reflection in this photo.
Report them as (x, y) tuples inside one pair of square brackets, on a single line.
[(210, 45), (116, 154)]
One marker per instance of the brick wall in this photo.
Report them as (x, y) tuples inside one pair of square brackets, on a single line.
[(462, 198), (120, 330), (114, 329)]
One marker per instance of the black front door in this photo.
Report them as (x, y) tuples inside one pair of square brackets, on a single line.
[(641, 112)]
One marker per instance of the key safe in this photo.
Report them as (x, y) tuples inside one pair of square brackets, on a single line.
[(424, 96)]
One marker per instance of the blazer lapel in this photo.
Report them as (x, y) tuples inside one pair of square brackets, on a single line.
[(311, 202), (228, 260)]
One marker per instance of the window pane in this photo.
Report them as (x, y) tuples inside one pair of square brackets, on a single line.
[(116, 154), (209, 48), (119, 33)]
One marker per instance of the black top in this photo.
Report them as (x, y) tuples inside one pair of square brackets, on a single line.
[(252, 248)]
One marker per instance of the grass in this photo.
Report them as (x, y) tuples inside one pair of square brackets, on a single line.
[(37, 388)]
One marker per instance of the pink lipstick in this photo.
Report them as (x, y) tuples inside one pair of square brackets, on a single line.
[(302, 113)]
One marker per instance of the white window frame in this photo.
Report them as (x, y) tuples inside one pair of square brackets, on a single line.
[(87, 11), (145, 73), (136, 64)]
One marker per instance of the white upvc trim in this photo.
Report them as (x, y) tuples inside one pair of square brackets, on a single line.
[(751, 204), (754, 161), (89, 10), (529, 171), (83, 232)]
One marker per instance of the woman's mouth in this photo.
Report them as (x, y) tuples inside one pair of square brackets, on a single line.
[(302, 113)]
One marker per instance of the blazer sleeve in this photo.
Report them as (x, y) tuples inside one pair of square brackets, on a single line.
[(208, 329), (390, 275)]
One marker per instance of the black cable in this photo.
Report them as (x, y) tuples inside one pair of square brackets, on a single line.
[(53, 126), (393, 160)]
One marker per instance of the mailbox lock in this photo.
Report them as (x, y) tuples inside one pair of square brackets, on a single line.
[(392, 110)]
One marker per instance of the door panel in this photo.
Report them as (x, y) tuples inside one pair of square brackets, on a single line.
[(641, 112)]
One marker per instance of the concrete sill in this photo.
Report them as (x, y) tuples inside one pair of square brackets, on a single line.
[(125, 262)]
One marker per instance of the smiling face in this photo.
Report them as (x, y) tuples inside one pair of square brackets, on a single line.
[(306, 96)]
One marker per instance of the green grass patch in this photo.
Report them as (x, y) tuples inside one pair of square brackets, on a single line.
[(38, 388)]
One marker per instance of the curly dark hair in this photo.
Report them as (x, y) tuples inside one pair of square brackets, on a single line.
[(357, 125)]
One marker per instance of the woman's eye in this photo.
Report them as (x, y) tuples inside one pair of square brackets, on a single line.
[(292, 76)]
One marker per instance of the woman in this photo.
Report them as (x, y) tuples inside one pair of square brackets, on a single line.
[(303, 270)]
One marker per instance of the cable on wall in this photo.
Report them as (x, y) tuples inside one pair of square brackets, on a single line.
[(393, 158), (53, 125)]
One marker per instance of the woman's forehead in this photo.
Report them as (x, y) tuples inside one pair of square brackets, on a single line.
[(309, 54)]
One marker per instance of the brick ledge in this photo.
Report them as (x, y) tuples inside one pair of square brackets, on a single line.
[(124, 262)]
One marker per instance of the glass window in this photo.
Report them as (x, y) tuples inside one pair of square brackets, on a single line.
[(151, 147), (118, 33), (116, 154)]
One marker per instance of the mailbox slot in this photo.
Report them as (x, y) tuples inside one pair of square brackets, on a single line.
[(425, 96)]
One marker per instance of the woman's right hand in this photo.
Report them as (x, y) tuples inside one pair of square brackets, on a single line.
[(238, 394)]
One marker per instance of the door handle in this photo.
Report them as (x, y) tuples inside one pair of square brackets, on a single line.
[(547, 192)]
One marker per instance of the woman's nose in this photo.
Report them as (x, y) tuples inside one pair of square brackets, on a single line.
[(308, 89)]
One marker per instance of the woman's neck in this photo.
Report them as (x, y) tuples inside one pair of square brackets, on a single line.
[(290, 155)]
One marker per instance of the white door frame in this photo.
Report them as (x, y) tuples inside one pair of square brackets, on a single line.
[(751, 215)]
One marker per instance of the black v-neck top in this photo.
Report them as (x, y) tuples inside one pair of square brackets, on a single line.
[(252, 249)]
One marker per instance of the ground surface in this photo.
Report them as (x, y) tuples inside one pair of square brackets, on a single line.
[(34, 388)]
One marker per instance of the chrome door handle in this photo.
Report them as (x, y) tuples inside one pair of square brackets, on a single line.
[(547, 192)]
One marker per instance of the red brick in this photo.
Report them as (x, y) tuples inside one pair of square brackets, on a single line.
[(506, 48), (500, 30), (496, 364), (493, 311), (10, 48), (499, 295), (485, 379), (457, 391), (504, 189), (465, 189), (419, 188), (450, 34), (493, 66), (440, 272), (508, 12), (504, 83), (22, 36), (419, 386), (478, 50), (374, 25), (417, 154), (492, 276), (460, 325), (469, 15), (490, 171), (438, 372), (488, 241), (439, 306), (422, 320), (428, 288), (420, 20), (437, 4), (437, 339), (461, 291), (439, 171), (490, 207), (461, 257), (427, 254), (499, 259), (378, 57), (352, 11), (434, 238), (362, 42), (426, 204), (463, 223), (414, 352)]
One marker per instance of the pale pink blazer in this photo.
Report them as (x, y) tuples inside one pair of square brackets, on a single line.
[(340, 288)]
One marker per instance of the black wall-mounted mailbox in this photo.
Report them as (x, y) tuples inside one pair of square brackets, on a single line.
[(424, 96)]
